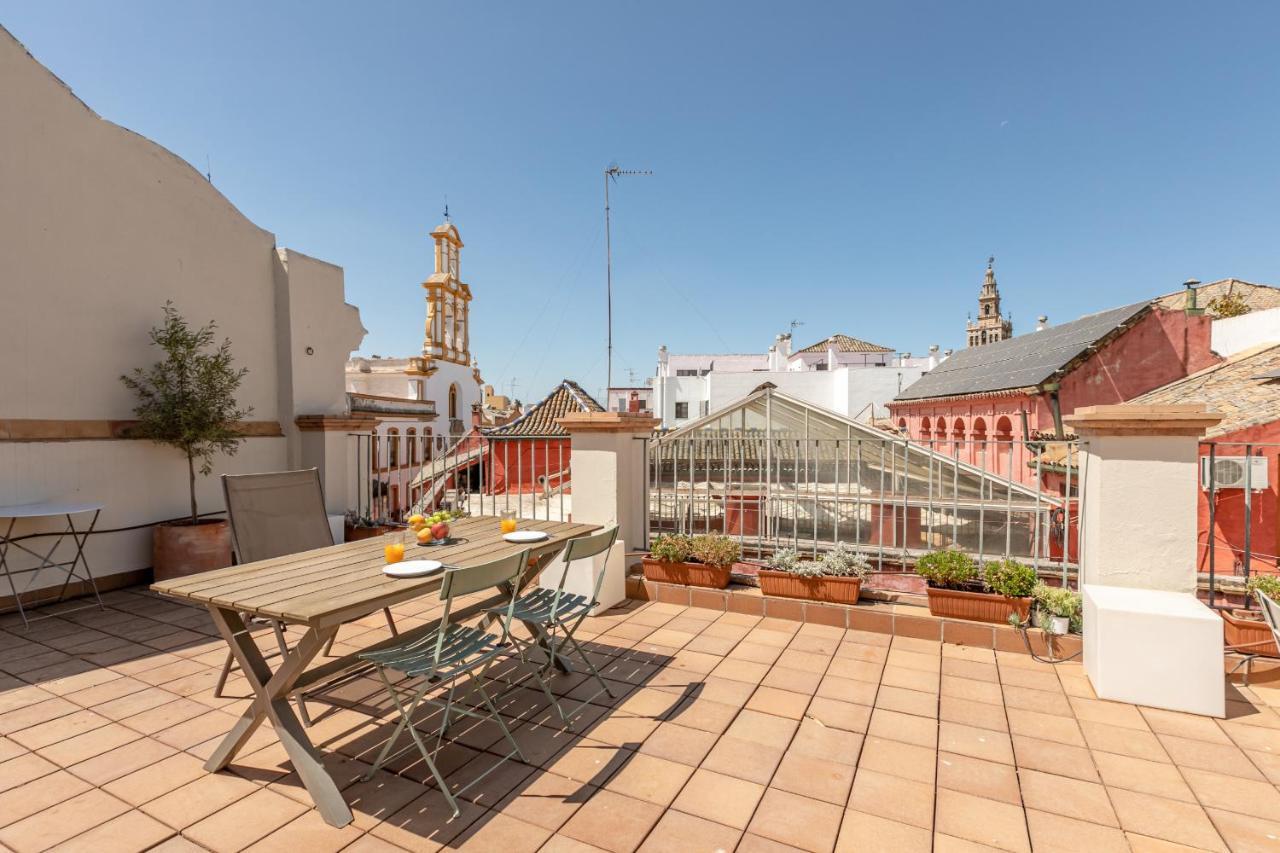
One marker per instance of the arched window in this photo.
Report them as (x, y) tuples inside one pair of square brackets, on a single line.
[(902, 425), (979, 434), (957, 430), (393, 448), (1004, 429), (924, 429), (940, 431), (453, 402), (411, 438)]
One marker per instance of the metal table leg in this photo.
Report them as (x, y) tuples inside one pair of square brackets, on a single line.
[(271, 690)]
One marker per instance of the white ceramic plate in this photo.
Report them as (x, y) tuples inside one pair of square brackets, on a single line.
[(412, 568), (521, 536)]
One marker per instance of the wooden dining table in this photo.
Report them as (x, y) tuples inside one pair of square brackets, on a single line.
[(321, 590)]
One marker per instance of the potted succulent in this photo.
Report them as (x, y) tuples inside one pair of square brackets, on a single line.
[(957, 589), (1057, 608), (692, 561), (836, 578), (1243, 628), (188, 401)]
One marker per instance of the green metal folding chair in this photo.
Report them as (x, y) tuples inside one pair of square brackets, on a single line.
[(444, 656), (553, 615)]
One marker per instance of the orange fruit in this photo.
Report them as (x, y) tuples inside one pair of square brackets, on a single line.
[(424, 535), (416, 521)]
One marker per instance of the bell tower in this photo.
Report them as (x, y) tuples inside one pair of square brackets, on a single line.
[(448, 300), (991, 326)]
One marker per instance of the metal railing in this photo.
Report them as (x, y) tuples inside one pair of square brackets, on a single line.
[(1237, 507), (396, 476), (892, 498)]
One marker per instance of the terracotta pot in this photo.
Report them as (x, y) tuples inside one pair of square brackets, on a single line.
[(687, 574), (357, 534), (1241, 632), (836, 590), (178, 550), (978, 606)]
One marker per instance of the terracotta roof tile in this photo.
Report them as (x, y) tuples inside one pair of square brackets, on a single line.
[(1258, 297), (540, 421), (844, 343), (1237, 388)]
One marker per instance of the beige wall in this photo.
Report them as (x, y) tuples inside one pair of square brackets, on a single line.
[(98, 228)]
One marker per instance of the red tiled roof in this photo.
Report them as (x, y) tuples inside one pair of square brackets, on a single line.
[(540, 421), (844, 343)]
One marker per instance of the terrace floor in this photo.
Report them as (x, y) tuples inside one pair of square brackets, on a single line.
[(734, 732)]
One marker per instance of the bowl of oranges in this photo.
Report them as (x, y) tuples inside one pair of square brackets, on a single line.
[(432, 529)]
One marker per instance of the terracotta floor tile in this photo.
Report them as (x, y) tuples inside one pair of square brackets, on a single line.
[(973, 690), (25, 768), (1030, 699), (196, 800), (131, 832), (1112, 713), (927, 662), (719, 798), (653, 780), (907, 701), (819, 741), (978, 743), (1053, 833), (988, 822), (741, 670), (147, 783), (57, 823), (761, 728), (86, 746), (988, 779), (1184, 725), (546, 800), (867, 833), (743, 759), (379, 798), (840, 715), (58, 729), (121, 761), (1036, 679), (943, 843), (1067, 797), (970, 713), (613, 822), (1246, 832), (792, 680), (815, 778), (47, 791), (1123, 741), (909, 761), (163, 716), (1215, 757), (678, 743), (677, 832), (1234, 794), (703, 714), (970, 669), (909, 679), (908, 728), (1168, 820), (856, 670), (496, 831), (893, 797), (134, 703), (427, 823), (848, 690), (801, 822), (1045, 726), (780, 703)]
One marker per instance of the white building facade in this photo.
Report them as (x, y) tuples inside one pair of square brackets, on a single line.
[(845, 375)]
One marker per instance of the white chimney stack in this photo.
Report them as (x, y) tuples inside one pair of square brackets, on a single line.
[(933, 356), (1042, 322)]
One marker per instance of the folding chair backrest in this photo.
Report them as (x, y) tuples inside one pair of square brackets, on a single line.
[(582, 548), (464, 581), (276, 514), (1271, 613)]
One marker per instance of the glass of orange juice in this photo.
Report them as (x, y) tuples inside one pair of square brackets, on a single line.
[(507, 521), (393, 546)]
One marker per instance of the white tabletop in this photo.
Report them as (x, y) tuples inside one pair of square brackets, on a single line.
[(45, 510)]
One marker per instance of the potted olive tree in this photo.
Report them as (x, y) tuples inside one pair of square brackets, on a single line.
[(958, 590), (836, 577), (188, 401), (692, 560)]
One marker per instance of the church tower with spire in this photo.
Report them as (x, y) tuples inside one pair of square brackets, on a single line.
[(991, 326)]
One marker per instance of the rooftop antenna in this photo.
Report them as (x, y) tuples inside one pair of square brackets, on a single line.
[(794, 324), (513, 384), (446, 208), (208, 169), (631, 376), (613, 172)]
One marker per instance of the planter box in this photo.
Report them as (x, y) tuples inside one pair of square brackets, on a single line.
[(835, 590), (688, 574), (1248, 635), (978, 606), (178, 550), (356, 534)]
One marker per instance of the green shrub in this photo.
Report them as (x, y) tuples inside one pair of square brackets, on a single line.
[(1059, 601), (672, 548), (716, 550), (844, 562), (1009, 577), (1268, 584), (949, 569)]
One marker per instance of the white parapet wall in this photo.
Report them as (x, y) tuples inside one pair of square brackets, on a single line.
[(1231, 335)]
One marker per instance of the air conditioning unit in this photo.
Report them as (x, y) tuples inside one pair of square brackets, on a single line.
[(1233, 472)]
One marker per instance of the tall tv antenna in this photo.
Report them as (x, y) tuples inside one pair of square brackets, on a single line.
[(613, 172), (793, 325)]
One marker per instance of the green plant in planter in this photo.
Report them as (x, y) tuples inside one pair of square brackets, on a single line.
[(672, 548), (784, 560), (1010, 578), (948, 569), (1268, 584), (716, 550), (1059, 601), (844, 562)]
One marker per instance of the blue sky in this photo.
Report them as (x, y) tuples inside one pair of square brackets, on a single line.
[(847, 165)]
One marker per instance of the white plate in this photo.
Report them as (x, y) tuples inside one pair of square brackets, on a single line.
[(522, 536), (412, 568)]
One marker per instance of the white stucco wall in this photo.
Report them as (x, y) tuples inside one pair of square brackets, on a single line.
[(1231, 335), (99, 227)]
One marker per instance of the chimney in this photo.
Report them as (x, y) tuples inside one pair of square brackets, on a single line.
[(1042, 322), (933, 357), (946, 354), (785, 340), (662, 360), (831, 354), (1192, 304)]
